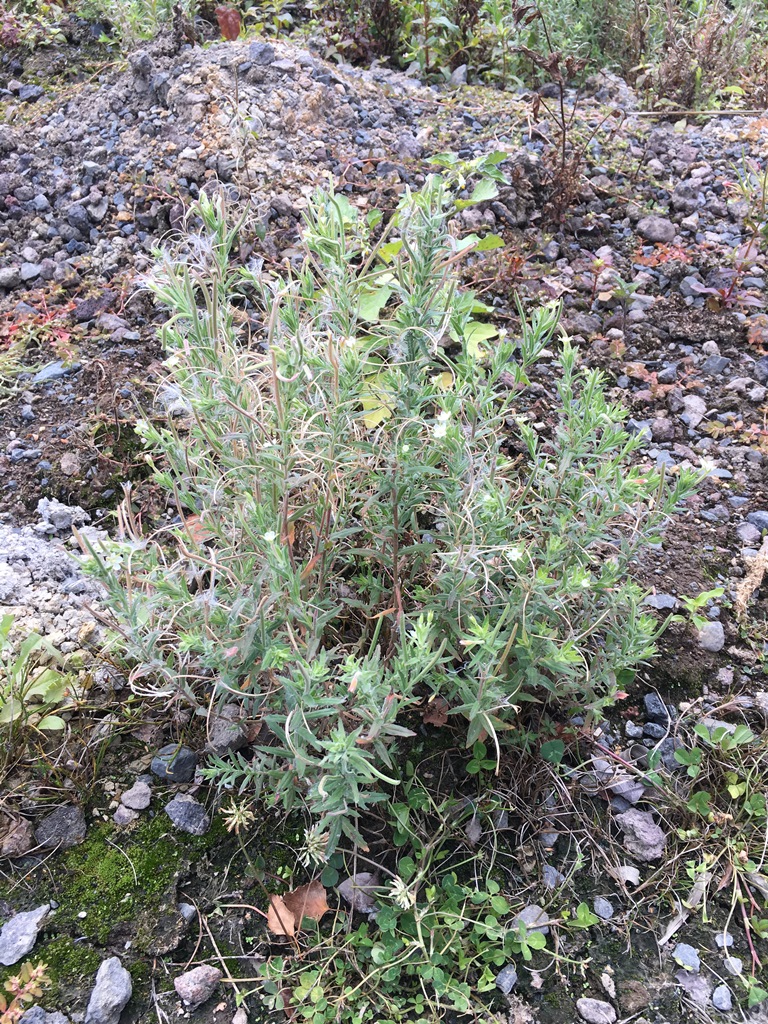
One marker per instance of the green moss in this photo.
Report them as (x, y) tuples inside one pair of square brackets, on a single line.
[(112, 876), (68, 960)]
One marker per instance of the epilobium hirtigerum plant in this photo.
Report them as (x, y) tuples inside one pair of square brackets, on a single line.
[(365, 519)]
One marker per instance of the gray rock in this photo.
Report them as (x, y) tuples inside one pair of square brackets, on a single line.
[(630, 789), (712, 637), (10, 277), (690, 286), (748, 534), (30, 93), (655, 709), (697, 987), (506, 979), (642, 836), (174, 763), (734, 965), (459, 76), (551, 877), (633, 731), (723, 940), (695, 409), (124, 816), (187, 911), (721, 998), (61, 829), (227, 732), (656, 229), (198, 985), (78, 217), (759, 519), (138, 797), (359, 891), (595, 1011), (662, 429), (51, 371), (61, 517), (110, 994), (715, 365), (687, 957), (188, 815), (603, 908), (654, 730), (37, 1015), (261, 54), (19, 935), (533, 917), (29, 271), (661, 602)]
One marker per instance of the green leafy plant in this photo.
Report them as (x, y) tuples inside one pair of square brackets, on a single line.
[(353, 530), (526, 942), (439, 928), (693, 604), (30, 692)]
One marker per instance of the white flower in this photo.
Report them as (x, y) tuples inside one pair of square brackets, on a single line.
[(401, 894), (270, 536), (440, 429), (405, 449), (586, 583), (443, 416), (515, 553)]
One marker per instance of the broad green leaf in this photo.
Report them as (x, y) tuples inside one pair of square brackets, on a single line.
[(443, 380), (475, 333), (53, 722), (375, 402), (553, 751), (488, 242), (483, 191), (371, 303), (389, 250)]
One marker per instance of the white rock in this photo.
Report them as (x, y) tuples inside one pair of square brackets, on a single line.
[(595, 1011), (110, 994), (18, 935)]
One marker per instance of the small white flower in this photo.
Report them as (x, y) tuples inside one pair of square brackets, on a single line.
[(708, 466), (515, 553), (401, 894), (270, 536), (440, 429), (405, 449), (443, 416), (586, 583)]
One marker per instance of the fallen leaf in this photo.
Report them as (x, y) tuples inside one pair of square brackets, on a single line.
[(473, 831), (229, 22), (307, 901), (628, 873), (280, 920), (436, 712), (199, 533)]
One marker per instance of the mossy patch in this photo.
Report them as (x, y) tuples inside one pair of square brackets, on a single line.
[(114, 876)]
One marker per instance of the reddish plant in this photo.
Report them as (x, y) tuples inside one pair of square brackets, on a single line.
[(229, 22)]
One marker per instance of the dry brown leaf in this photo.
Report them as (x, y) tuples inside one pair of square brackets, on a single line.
[(196, 529), (307, 901), (752, 581), (280, 920), (436, 712)]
